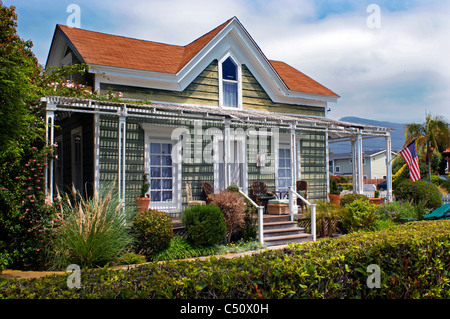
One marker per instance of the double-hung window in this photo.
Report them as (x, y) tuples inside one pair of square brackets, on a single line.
[(284, 168), (230, 83), (161, 172), (164, 171)]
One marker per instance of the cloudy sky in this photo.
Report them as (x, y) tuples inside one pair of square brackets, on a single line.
[(392, 67)]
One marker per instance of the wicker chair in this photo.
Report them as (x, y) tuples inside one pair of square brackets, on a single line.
[(260, 194), (302, 189), (208, 189), (191, 202)]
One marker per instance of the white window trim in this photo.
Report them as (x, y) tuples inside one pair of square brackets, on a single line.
[(162, 134), (337, 169), (239, 81)]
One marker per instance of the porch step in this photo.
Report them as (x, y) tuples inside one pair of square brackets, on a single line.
[(279, 230)]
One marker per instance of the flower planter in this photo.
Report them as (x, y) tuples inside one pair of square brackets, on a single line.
[(142, 203), (377, 201), (335, 199)]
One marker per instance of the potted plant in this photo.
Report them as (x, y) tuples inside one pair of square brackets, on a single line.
[(143, 200), (377, 199), (335, 195)]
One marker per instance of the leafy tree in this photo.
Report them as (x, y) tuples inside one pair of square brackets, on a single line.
[(19, 70), (429, 136)]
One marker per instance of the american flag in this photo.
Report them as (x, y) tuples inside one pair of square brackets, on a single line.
[(409, 154)]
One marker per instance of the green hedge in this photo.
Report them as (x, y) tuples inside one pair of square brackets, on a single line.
[(414, 259)]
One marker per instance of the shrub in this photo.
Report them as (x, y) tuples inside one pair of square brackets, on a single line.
[(397, 210), (153, 231), (181, 248), (413, 263), (233, 208), (23, 209), (359, 215), (328, 218), (349, 198), (91, 232), (420, 193), (205, 224), (130, 259)]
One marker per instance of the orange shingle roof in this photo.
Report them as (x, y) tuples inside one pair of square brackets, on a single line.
[(117, 51)]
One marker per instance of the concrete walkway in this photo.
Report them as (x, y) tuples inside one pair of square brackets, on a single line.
[(19, 274)]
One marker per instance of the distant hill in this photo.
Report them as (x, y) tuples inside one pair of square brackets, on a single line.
[(372, 144)]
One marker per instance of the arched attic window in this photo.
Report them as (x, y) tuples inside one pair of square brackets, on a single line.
[(230, 83)]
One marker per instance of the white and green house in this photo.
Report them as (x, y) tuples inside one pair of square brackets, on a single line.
[(220, 112)]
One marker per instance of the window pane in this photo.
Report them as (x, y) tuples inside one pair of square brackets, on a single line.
[(230, 96), (155, 196), (281, 153), (229, 70), (155, 160), (155, 172), (155, 148), (166, 196), (281, 173), (166, 160), (166, 184), (166, 148), (155, 184), (166, 171)]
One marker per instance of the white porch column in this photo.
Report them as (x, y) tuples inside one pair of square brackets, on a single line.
[(388, 168), (360, 163), (327, 159), (293, 146), (50, 140), (354, 165), (226, 153), (122, 155), (97, 152)]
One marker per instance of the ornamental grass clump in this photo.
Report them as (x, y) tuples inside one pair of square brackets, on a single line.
[(91, 232)]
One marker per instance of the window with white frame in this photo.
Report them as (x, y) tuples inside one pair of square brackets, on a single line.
[(164, 170), (230, 83), (284, 168), (161, 172)]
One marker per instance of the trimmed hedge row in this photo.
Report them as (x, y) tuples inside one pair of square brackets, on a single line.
[(414, 260)]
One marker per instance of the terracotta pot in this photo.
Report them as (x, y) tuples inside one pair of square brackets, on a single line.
[(335, 199), (377, 201), (142, 203)]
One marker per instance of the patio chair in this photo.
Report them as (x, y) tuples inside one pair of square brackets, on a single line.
[(208, 189), (191, 202), (302, 189), (260, 193)]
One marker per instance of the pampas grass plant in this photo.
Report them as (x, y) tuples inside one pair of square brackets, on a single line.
[(93, 232)]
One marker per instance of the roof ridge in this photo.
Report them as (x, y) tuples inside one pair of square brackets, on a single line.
[(192, 48)]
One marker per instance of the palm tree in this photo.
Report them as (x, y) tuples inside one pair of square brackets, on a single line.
[(435, 131)]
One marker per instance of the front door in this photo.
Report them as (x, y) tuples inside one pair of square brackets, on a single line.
[(233, 172)]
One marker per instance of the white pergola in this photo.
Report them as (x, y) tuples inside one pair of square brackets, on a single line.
[(336, 131)]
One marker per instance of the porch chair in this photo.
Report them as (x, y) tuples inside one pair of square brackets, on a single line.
[(208, 189), (191, 202), (260, 193), (302, 189)]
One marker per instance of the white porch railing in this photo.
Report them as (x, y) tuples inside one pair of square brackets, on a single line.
[(293, 207), (260, 217)]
